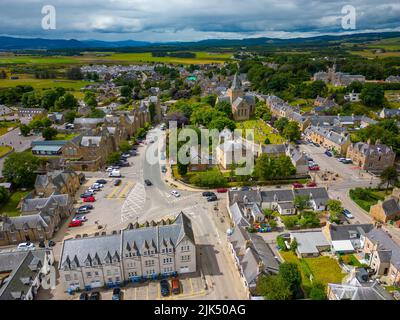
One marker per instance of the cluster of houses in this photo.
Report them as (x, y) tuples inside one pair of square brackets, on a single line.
[(42, 210), (95, 139), (254, 257)]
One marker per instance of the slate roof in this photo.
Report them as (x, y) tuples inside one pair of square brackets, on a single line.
[(273, 148), (279, 195), (391, 207), (370, 149), (344, 232), (367, 291), (385, 243), (101, 248), (24, 267), (251, 196), (309, 241)]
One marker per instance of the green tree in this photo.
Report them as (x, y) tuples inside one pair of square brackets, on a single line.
[(4, 195), (70, 116), (20, 169), (126, 91), (293, 245), (221, 123), (124, 146), (49, 98), (335, 209), (292, 131), (373, 95), (90, 99), (273, 288), (225, 107), (182, 169), (290, 273), (301, 202), (317, 292), (24, 129), (113, 157), (66, 102), (389, 176), (74, 73), (49, 133), (281, 124)]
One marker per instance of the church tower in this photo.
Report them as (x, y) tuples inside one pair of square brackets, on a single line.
[(235, 91)]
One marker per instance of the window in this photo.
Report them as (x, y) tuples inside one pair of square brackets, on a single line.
[(96, 273), (109, 272), (185, 258), (185, 248), (67, 277), (88, 274)]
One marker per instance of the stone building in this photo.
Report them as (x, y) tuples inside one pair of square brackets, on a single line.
[(371, 157), (131, 254)]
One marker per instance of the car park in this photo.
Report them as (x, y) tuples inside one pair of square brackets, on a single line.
[(164, 287), (347, 214), (89, 199), (26, 246), (148, 182), (95, 296), (117, 294), (175, 193), (73, 224)]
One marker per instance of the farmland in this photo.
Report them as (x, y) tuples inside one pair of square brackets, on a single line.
[(43, 83), (113, 58)]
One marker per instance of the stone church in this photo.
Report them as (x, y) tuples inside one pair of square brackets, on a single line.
[(243, 104)]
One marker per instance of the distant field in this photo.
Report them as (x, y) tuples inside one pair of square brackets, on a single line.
[(392, 44), (43, 83), (112, 58), (371, 54)]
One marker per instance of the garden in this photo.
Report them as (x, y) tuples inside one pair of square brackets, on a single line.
[(262, 132), (365, 198)]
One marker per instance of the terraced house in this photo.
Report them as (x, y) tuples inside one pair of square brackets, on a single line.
[(329, 139), (133, 253), (371, 157)]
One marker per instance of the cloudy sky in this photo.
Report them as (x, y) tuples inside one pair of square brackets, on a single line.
[(186, 20)]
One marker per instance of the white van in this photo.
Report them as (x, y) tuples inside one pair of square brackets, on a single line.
[(115, 174)]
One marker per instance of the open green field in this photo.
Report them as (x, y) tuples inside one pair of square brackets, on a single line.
[(43, 83), (261, 131), (321, 269), (380, 55), (5, 126), (114, 58), (65, 136), (10, 208), (392, 44)]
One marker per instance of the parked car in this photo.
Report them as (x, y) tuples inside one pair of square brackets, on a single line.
[(126, 155), (124, 164), (26, 246), (115, 173), (163, 169), (234, 189), (297, 185), (347, 214), (84, 296), (212, 198), (86, 195), (42, 244), (89, 199), (244, 188), (80, 218), (316, 144), (117, 294), (51, 243), (95, 296), (76, 223), (328, 153), (314, 168), (164, 287), (175, 286), (347, 161), (175, 193), (311, 184), (117, 182), (109, 169), (86, 207), (148, 182), (222, 190), (208, 194), (101, 181)]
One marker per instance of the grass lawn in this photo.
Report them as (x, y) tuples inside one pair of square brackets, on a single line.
[(351, 260), (261, 131), (4, 150), (5, 126), (10, 208), (373, 196), (64, 136), (323, 269)]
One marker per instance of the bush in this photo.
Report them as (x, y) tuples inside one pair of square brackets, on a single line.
[(209, 179), (281, 243)]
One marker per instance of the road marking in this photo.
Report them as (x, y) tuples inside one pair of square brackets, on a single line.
[(123, 193), (147, 292), (135, 293), (186, 296), (114, 191), (191, 285)]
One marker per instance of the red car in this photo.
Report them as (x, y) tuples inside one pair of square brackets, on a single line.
[(89, 199), (297, 185), (311, 184), (314, 168), (222, 190), (76, 223)]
